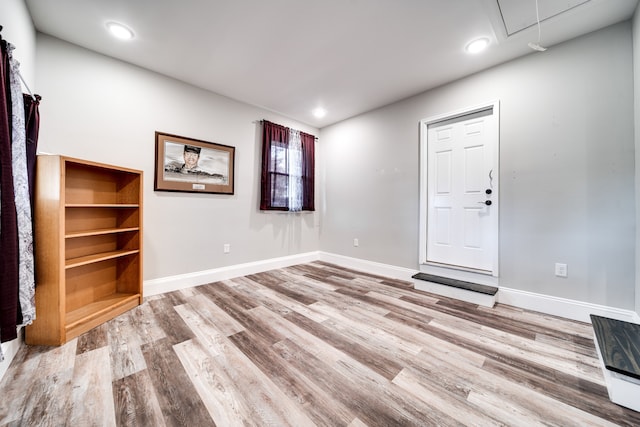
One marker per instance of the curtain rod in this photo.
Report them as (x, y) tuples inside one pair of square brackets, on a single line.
[(26, 86), (262, 121)]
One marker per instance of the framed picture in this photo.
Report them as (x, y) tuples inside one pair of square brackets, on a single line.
[(193, 166)]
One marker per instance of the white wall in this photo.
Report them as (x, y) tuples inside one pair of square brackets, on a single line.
[(19, 31), (636, 80), (101, 109), (566, 171)]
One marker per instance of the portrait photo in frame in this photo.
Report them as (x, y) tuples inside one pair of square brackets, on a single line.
[(192, 165)]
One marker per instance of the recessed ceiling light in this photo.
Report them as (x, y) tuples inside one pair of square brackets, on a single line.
[(319, 112), (119, 31), (477, 46)]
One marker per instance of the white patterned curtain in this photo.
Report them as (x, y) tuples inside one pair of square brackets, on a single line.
[(26, 266), (295, 171)]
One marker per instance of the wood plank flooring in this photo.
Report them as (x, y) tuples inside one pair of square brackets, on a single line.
[(314, 344)]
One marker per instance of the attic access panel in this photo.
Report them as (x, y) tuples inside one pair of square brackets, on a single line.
[(518, 15)]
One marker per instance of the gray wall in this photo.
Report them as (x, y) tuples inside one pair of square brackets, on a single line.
[(104, 110), (566, 171), (567, 162)]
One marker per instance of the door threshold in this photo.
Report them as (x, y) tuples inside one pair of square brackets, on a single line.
[(460, 284), (474, 293), (459, 268)]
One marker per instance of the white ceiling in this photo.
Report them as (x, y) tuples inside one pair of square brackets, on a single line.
[(290, 56)]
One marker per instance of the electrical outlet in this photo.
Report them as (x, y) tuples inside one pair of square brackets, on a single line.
[(561, 270), (356, 243), (226, 248)]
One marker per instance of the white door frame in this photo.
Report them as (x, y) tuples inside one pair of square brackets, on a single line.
[(422, 253)]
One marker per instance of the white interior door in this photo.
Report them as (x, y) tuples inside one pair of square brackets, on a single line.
[(462, 191)]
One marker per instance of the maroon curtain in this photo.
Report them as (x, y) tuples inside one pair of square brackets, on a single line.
[(308, 171), (32, 124), (8, 222), (274, 188)]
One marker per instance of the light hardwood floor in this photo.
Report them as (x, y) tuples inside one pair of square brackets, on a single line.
[(314, 344)]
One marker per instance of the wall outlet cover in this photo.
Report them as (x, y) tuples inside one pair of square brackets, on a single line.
[(561, 270)]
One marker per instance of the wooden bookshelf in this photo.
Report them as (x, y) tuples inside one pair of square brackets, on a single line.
[(88, 242)]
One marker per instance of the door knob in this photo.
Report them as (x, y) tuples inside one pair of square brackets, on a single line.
[(486, 202)]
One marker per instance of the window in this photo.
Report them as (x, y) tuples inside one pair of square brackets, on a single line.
[(288, 163)]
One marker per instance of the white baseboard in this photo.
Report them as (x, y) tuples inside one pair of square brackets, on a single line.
[(567, 308), (10, 349), (181, 281), (371, 267)]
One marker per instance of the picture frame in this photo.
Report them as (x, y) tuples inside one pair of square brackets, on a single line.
[(193, 166)]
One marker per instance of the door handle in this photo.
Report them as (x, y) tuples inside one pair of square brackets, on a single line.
[(486, 202)]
